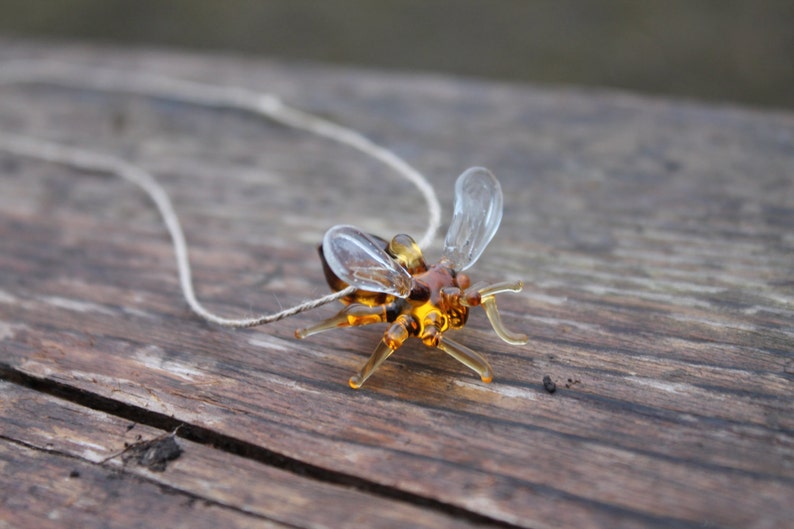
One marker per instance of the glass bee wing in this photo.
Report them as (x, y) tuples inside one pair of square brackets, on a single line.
[(478, 212), (359, 260)]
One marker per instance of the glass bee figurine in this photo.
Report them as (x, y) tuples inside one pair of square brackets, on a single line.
[(395, 285)]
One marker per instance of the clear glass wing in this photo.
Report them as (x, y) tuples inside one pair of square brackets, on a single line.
[(357, 259), (478, 212)]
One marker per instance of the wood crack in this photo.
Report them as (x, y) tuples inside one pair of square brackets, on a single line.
[(162, 486), (236, 446)]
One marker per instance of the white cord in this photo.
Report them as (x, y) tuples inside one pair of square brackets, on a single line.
[(262, 104)]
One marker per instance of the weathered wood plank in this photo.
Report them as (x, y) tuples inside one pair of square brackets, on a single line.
[(43, 489), (656, 239), (202, 474)]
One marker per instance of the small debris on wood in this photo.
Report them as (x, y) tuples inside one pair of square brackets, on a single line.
[(549, 385), (788, 368), (572, 382), (154, 454), (74, 474)]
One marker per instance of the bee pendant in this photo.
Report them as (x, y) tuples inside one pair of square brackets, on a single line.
[(395, 285)]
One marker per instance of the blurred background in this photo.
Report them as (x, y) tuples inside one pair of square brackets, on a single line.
[(716, 50)]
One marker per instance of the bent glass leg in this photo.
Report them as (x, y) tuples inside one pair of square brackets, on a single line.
[(352, 315), (381, 353), (489, 304), (471, 359)]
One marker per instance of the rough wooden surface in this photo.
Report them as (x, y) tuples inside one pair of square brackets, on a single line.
[(656, 239)]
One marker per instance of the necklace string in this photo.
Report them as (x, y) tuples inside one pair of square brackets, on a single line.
[(259, 103)]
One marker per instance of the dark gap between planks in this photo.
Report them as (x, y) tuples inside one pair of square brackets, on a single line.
[(231, 445)]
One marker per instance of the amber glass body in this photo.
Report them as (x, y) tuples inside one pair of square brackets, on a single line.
[(435, 304), (439, 301)]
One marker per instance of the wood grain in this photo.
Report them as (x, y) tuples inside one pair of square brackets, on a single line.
[(241, 487), (655, 238)]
